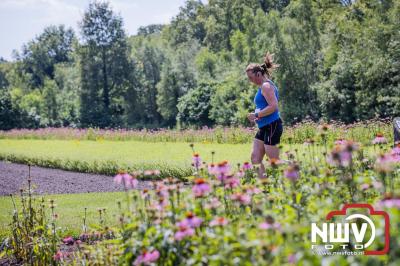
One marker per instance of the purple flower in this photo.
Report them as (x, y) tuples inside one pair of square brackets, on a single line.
[(184, 231), (267, 225), (340, 142), (390, 203), (146, 258), (201, 188), (231, 181), (244, 199), (212, 169), (223, 168), (191, 221), (126, 179), (58, 256), (379, 139), (341, 155), (196, 160), (396, 153), (292, 259), (240, 173), (253, 190), (292, 172), (246, 166), (213, 204), (68, 240), (385, 163), (364, 186), (219, 221)]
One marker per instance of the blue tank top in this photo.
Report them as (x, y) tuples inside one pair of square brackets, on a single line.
[(261, 103)]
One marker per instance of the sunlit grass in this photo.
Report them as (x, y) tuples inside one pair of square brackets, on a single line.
[(70, 209)]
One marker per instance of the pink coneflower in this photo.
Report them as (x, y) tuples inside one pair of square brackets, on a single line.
[(390, 203), (231, 181), (396, 150), (58, 256), (292, 172), (242, 198), (252, 190), (219, 221), (146, 258), (212, 169), (191, 220), (351, 146), (213, 204), (223, 168), (201, 188), (126, 179), (162, 203), (377, 184), (240, 173), (340, 142), (145, 194), (183, 231), (162, 190), (68, 240), (196, 160), (246, 166), (270, 224), (379, 139), (266, 226), (340, 156), (384, 163), (396, 153), (274, 163), (364, 186), (292, 259)]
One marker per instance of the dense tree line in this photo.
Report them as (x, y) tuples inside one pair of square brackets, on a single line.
[(338, 60)]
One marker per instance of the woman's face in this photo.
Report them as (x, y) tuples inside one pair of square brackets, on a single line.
[(255, 78)]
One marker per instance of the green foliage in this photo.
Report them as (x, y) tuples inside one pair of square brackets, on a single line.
[(9, 114), (230, 97), (206, 62), (106, 71), (40, 55), (194, 106), (338, 60), (67, 80), (178, 76)]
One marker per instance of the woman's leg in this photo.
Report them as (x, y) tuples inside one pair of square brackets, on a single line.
[(257, 156), (272, 151)]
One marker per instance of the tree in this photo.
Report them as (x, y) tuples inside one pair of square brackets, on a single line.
[(149, 59), (187, 25), (168, 94), (206, 62), (105, 67), (194, 106), (39, 56)]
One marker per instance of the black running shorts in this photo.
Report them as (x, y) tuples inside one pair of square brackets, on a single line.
[(271, 133)]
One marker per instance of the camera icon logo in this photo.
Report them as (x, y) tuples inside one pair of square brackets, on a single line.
[(338, 235)]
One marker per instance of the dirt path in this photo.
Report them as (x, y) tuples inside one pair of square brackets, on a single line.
[(53, 181)]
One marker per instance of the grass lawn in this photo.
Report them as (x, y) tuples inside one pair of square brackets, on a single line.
[(107, 157), (70, 209), (128, 152)]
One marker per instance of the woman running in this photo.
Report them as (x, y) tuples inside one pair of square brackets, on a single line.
[(266, 114)]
